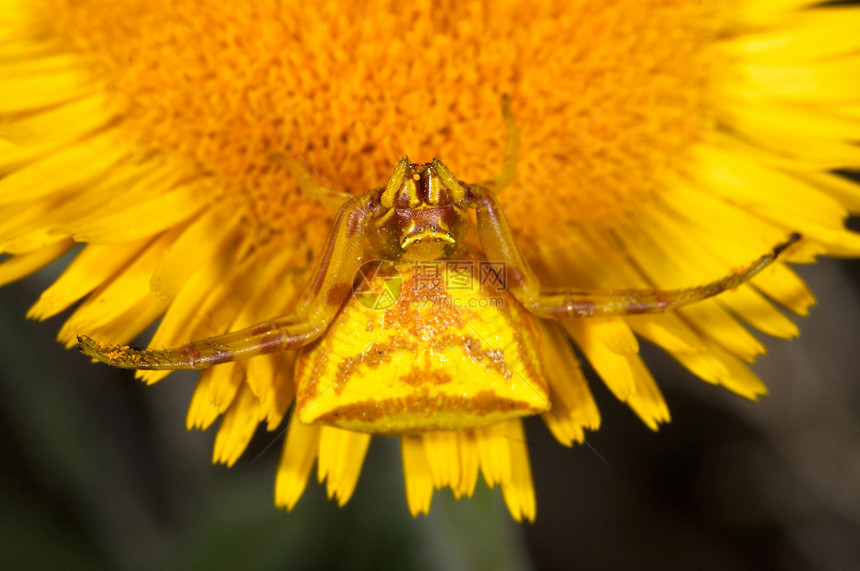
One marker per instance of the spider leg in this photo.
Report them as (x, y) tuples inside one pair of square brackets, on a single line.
[(330, 286), (308, 184), (289, 332), (562, 303), (567, 303), (512, 148)]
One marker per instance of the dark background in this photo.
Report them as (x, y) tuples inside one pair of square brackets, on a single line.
[(98, 471)]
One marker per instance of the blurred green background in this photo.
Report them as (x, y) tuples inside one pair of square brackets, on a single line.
[(98, 472)]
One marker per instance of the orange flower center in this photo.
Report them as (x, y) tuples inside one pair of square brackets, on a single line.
[(607, 94)]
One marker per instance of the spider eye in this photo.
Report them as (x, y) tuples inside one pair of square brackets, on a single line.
[(419, 229)]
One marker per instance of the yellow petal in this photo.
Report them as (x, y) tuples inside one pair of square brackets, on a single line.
[(733, 175), (791, 138), (273, 265), (753, 308), (12, 45), (710, 257), (123, 327), (116, 297), (846, 191), (713, 322), (782, 284), (494, 453), (143, 219), (15, 157), (573, 407), (443, 456), (469, 464), (205, 306), (297, 459), (416, 474), (201, 412), (740, 380), (615, 334), (74, 167), (186, 311), (518, 489), (802, 36), (789, 119), (225, 383), (283, 390), (765, 13), (647, 402), (15, 220), (17, 267), (668, 331), (613, 368), (261, 372), (777, 281), (819, 83), (43, 65), (748, 234), (38, 91), (341, 454), (660, 256), (237, 427), (92, 266), (61, 124), (48, 219), (198, 244)]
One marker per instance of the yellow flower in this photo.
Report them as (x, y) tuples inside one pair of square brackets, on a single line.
[(663, 145)]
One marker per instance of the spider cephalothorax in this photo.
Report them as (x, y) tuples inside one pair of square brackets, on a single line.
[(435, 360), (421, 214)]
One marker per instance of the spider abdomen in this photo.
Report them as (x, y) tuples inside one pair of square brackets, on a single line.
[(447, 348)]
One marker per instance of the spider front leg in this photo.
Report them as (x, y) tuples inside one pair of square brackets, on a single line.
[(327, 291), (308, 184), (512, 148), (563, 303)]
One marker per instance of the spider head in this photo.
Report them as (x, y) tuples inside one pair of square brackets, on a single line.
[(422, 211)]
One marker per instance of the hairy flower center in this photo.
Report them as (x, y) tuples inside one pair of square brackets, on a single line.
[(607, 94)]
